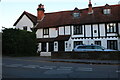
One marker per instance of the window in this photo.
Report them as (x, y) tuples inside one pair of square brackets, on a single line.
[(106, 11), (78, 43), (46, 31), (112, 44), (111, 28), (77, 29), (25, 28), (98, 43), (76, 15)]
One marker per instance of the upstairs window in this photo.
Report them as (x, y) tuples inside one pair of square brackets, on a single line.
[(78, 29), (46, 31), (106, 11), (111, 28)]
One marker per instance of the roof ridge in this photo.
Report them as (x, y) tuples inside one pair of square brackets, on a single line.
[(29, 13), (81, 9)]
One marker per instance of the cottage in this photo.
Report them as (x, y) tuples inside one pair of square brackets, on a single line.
[(62, 31)]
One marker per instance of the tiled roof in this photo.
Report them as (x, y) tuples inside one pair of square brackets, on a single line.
[(66, 18), (45, 39), (62, 37), (29, 15), (58, 38)]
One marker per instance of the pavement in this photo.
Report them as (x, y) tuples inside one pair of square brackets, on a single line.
[(82, 61)]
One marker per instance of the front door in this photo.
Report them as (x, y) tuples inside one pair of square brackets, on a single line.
[(61, 46), (44, 47), (51, 46)]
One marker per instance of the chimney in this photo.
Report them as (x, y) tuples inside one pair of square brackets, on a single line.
[(40, 12), (90, 11)]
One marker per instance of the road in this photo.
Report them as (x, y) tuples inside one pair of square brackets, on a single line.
[(27, 68)]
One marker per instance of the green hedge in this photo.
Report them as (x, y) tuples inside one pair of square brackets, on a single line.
[(96, 55), (18, 43)]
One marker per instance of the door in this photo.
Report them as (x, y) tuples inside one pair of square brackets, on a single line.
[(51, 46), (61, 46), (44, 47)]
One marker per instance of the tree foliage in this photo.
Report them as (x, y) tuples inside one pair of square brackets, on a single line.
[(18, 42)]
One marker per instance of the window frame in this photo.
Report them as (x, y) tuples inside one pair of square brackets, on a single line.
[(97, 43), (107, 11), (112, 28), (76, 15), (46, 32), (78, 30), (25, 28), (78, 43)]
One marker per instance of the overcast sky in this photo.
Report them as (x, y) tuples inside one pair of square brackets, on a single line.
[(10, 10)]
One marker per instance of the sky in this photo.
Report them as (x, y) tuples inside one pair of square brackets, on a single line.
[(10, 10)]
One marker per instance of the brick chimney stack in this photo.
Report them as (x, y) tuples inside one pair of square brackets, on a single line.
[(40, 12), (90, 10)]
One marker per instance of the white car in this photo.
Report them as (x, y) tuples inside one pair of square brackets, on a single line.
[(91, 48)]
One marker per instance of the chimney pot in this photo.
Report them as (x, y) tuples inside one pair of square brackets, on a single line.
[(40, 12)]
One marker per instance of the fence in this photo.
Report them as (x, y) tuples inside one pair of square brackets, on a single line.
[(97, 55)]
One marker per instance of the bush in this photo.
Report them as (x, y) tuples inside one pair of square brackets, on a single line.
[(18, 43)]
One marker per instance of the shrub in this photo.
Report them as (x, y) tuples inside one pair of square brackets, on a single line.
[(18, 42)]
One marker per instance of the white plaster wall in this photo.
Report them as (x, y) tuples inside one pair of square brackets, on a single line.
[(53, 32), (61, 30), (67, 30), (111, 34), (102, 29), (88, 30), (39, 46), (95, 27), (39, 33), (46, 36), (119, 34), (69, 45), (119, 27), (25, 21)]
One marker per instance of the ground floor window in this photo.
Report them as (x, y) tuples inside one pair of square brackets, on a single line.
[(98, 43), (43, 47), (112, 44), (78, 43)]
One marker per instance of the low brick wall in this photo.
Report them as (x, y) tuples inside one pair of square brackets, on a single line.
[(97, 55)]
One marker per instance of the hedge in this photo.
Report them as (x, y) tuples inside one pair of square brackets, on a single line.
[(96, 55), (18, 43)]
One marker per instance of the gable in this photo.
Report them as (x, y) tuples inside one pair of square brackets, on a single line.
[(24, 21), (31, 17)]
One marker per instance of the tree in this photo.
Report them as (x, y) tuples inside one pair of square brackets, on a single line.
[(18, 42)]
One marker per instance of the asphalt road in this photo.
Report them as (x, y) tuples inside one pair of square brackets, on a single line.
[(25, 68)]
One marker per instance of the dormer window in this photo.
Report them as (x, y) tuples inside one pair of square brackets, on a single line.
[(76, 15), (106, 11)]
